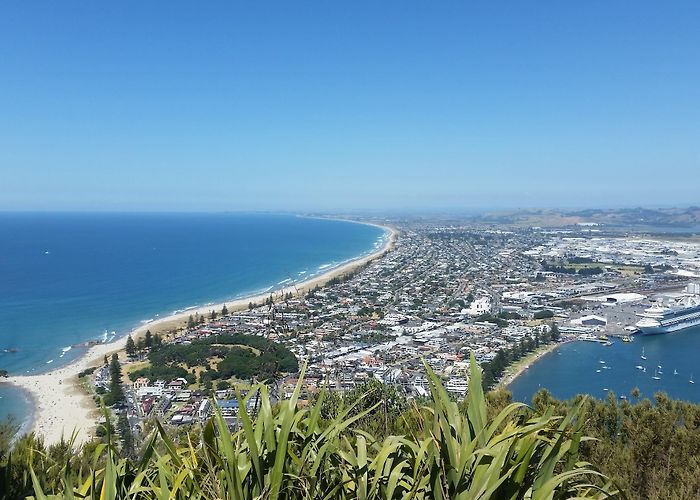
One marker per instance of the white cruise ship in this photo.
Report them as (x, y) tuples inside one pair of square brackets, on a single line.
[(670, 319)]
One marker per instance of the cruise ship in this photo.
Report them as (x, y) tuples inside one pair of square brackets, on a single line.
[(659, 319)]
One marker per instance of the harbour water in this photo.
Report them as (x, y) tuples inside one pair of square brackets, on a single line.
[(72, 278), (591, 368)]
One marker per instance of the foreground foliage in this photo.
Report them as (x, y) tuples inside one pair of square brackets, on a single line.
[(287, 452)]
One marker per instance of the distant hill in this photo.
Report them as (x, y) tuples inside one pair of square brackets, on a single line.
[(661, 217)]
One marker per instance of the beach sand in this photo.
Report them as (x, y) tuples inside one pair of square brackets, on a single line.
[(518, 368), (62, 406)]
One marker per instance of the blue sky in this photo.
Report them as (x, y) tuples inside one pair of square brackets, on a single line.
[(348, 105)]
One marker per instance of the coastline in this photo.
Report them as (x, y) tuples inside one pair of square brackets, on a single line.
[(518, 368), (61, 406)]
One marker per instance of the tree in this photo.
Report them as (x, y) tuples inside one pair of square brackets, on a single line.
[(130, 347), (148, 340), (125, 432), (554, 333), (251, 306), (190, 322), (116, 393), (224, 310), (213, 315), (106, 362)]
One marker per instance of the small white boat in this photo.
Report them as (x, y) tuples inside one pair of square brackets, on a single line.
[(691, 379), (597, 371), (639, 367), (675, 372), (656, 375), (643, 356)]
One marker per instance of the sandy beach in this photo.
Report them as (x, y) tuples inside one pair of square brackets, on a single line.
[(517, 369), (61, 405)]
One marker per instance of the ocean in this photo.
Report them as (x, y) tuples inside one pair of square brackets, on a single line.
[(69, 278), (591, 368)]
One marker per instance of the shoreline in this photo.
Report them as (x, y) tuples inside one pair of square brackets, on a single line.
[(61, 406), (522, 365)]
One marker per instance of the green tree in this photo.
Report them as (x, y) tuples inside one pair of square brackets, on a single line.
[(124, 430), (130, 347), (224, 310), (190, 322), (116, 393), (554, 332), (148, 339)]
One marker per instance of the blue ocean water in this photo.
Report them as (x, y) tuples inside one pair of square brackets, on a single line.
[(69, 278), (578, 368)]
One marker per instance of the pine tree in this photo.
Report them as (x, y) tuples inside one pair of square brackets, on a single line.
[(148, 339), (116, 393), (130, 347), (127, 437), (554, 332), (190, 322), (224, 310), (213, 315)]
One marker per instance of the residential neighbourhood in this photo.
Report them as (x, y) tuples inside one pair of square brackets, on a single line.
[(445, 290)]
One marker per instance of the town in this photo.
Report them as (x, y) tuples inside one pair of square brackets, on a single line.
[(445, 289)]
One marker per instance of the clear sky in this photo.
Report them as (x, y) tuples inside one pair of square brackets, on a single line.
[(334, 105)]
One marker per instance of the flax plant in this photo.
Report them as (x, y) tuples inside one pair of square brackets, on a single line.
[(289, 452)]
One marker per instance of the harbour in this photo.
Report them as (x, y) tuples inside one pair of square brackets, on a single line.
[(655, 363)]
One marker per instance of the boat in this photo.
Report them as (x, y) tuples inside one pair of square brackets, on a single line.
[(623, 397), (675, 372), (656, 376), (639, 367), (682, 315), (597, 371), (643, 356), (626, 338), (691, 379), (601, 362)]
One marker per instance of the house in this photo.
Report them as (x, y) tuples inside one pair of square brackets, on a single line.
[(139, 383)]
